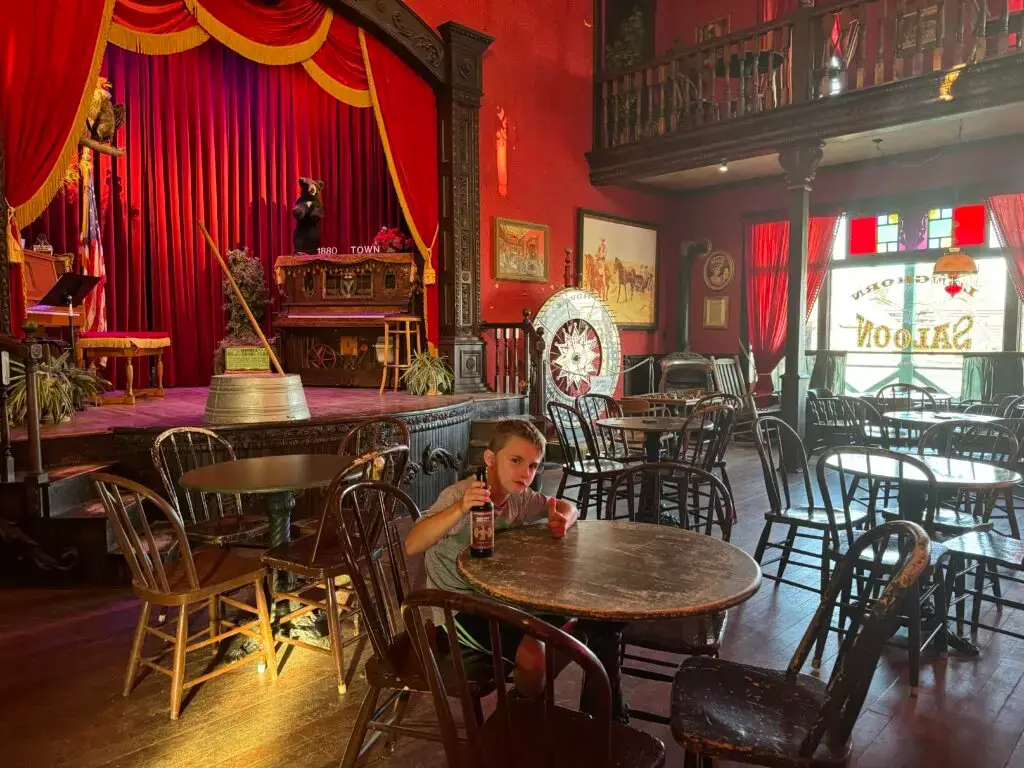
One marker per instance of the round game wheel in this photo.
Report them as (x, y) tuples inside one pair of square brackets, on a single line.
[(583, 347), (321, 356)]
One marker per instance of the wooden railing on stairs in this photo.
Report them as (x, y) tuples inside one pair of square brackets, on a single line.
[(515, 355), (815, 53)]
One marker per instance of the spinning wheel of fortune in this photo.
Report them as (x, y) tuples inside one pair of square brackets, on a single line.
[(321, 356), (582, 345)]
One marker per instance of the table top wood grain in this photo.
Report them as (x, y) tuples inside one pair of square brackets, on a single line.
[(644, 423), (937, 417), (952, 473), (614, 571), (267, 474)]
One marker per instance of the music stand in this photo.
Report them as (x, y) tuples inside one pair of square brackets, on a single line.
[(70, 291)]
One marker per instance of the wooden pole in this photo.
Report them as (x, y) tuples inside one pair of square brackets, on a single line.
[(241, 298)]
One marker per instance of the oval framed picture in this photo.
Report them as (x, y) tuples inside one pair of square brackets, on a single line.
[(719, 269)]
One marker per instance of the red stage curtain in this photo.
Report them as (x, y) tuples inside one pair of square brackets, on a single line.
[(226, 143), (767, 264), (155, 26), (288, 32), (338, 66), (1008, 214), (46, 87), (406, 111)]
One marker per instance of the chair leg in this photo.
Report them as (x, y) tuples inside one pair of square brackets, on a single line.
[(979, 589), (214, 609), (561, 486), (914, 635), (334, 627), (266, 629), (178, 673), (137, 641), (359, 728), (584, 503), (790, 542), (763, 541)]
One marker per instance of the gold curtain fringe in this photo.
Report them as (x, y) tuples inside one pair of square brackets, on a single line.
[(343, 93), (425, 250), (33, 208), (157, 45), (123, 342), (258, 52)]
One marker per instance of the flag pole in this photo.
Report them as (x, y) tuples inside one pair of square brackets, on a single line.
[(241, 299)]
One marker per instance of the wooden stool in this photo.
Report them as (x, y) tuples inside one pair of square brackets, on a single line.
[(93, 345), (398, 326)]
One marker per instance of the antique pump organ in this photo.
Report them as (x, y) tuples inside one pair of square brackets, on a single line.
[(333, 310)]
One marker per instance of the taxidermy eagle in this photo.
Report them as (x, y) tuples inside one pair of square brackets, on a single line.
[(102, 120)]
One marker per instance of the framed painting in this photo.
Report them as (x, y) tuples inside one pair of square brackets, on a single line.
[(712, 29), (716, 312), (719, 269), (618, 262), (520, 251)]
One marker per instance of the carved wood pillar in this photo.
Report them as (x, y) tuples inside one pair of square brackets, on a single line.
[(459, 235), (800, 164)]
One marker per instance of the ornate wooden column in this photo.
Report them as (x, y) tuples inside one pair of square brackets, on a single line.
[(800, 163), (459, 235)]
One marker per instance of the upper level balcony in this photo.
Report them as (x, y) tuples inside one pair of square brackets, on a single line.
[(846, 73)]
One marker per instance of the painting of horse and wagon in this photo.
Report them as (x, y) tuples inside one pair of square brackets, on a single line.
[(619, 262)]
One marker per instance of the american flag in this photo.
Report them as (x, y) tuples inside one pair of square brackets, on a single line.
[(90, 249)]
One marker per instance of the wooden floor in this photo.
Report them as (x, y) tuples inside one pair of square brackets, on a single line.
[(184, 406), (64, 653)]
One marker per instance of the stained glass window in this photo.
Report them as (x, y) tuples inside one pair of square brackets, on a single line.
[(888, 233), (940, 228)]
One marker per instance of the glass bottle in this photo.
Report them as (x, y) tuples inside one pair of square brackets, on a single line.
[(481, 524)]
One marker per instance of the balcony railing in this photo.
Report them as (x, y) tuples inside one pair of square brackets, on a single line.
[(815, 53), (515, 354)]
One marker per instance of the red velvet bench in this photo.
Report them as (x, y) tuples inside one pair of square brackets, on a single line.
[(91, 345)]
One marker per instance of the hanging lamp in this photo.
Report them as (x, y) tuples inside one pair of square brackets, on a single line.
[(954, 263)]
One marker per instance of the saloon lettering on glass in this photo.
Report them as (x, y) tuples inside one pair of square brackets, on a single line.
[(872, 336), (919, 279)]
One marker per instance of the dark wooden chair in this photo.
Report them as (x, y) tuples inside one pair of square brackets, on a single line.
[(371, 516), (313, 565), (780, 450), (581, 459), (521, 731), (611, 443), (691, 635), (868, 427), (705, 436), (206, 579), (875, 567), (828, 422), (782, 718), (905, 397), (209, 518)]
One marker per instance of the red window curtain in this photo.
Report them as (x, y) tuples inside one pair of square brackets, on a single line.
[(213, 137), (1008, 215), (767, 264)]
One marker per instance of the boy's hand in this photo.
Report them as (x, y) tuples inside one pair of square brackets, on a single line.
[(558, 521), (478, 493)]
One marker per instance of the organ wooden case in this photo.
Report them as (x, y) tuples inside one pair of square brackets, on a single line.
[(332, 314)]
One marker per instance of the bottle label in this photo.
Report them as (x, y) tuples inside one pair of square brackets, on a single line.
[(482, 529)]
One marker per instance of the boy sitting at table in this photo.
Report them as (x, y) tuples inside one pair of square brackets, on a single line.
[(513, 456)]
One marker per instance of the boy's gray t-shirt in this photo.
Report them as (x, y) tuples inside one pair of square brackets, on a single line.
[(519, 509)]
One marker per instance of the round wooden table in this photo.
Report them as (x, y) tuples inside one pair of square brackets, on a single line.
[(614, 572), (279, 477), (925, 419), (949, 473), (653, 428)]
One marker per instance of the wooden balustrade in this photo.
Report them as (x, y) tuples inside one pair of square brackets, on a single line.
[(515, 354), (815, 53), (29, 353)]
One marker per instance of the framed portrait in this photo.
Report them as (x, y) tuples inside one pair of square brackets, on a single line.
[(719, 270), (618, 262), (908, 25), (520, 251), (716, 312), (712, 29)]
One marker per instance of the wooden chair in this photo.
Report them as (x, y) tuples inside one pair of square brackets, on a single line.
[(780, 450), (875, 567), (206, 579), (209, 518), (691, 635), (611, 443), (316, 563), (705, 437), (521, 732), (371, 513), (905, 397), (581, 459), (783, 718)]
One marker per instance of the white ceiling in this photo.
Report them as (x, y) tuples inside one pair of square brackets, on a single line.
[(984, 124)]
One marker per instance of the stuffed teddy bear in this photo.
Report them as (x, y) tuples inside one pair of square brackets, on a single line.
[(309, 213)]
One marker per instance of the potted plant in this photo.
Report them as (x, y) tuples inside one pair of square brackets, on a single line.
[(247, 349), (61, 388), (428, 374)]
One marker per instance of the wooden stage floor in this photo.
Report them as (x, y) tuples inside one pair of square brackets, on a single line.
[(64, 655), (184, 406)]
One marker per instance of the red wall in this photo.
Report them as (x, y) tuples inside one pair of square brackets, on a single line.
[(539, 70), (679, 18), (722, 216)]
